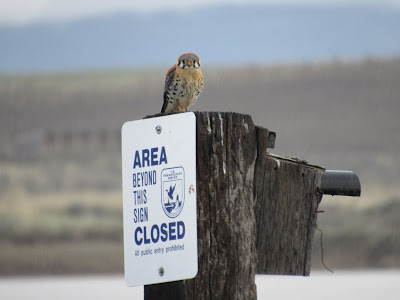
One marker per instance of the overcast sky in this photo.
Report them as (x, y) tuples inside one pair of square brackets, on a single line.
[(26, 11)]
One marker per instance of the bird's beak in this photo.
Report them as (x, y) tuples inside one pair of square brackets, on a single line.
[(188, 63)]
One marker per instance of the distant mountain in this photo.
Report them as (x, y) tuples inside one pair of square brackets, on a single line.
[(220, 35)]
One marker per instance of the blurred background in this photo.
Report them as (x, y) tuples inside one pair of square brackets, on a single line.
[(325, 75)]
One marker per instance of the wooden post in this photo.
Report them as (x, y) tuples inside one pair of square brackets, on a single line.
[(287, 194), (240, 211)]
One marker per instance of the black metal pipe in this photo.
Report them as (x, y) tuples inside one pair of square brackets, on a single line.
[(343, 183)]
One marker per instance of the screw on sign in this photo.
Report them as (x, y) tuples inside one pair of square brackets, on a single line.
[(160, 219)]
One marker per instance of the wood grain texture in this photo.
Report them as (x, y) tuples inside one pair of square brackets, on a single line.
[(287, 197), (255, 214), (226, 153)]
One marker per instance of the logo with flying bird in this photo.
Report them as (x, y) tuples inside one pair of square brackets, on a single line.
[(173, 196), (171, 193)]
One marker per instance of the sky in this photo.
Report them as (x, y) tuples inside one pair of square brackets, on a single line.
[(17, 12)]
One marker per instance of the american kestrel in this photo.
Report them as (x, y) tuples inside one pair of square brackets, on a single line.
[(183, 84)]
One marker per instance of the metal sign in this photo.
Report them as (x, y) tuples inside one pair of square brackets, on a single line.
[(159, 199)]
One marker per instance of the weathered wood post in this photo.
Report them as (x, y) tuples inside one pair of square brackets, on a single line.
[(255, 214), (287, 194)]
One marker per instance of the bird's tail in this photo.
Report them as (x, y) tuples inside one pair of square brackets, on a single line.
[(164, 107)]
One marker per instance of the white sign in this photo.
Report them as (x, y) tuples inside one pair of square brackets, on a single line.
[(159, 195)]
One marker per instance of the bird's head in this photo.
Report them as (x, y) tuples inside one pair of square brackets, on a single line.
[(188, 61)]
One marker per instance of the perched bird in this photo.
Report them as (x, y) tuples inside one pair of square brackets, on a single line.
[(183, 84)]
